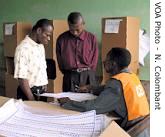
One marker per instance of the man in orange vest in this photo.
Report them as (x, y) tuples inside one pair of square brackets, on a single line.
[(123, 94)]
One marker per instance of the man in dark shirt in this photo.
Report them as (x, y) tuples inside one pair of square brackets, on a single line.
[(77, 54), (120, 95)]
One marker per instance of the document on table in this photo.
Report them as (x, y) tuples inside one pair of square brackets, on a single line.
[(71, 95), (15, 120)]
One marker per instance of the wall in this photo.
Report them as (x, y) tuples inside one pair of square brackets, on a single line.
[(92, 10)]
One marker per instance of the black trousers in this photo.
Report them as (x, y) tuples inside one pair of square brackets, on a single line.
[(73, 79), (21, 95)]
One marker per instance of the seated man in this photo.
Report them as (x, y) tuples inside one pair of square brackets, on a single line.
[(123, 95)]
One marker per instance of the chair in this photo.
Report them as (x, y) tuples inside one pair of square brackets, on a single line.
[(139, 127)]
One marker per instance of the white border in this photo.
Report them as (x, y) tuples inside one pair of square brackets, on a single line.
[(157, 122)]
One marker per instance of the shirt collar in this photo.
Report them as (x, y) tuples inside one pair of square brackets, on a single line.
[(125, 70), (32, 42), (81, 36)]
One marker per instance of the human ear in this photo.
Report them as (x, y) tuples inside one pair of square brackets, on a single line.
[(113, 68), (39, 31)]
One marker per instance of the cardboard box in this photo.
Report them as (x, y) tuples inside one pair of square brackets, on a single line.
[(113, 130), (10, 65), (60, 26), (14, 33), (126, 37), (55, 85), (11, 85)]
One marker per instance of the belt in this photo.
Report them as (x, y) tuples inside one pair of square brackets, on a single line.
[(37, 89), (80, 69)]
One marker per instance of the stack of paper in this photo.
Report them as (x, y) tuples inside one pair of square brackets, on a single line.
[(16, 121), (71, 95)]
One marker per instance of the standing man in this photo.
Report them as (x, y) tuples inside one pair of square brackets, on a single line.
[(77, 54), (30, 63)]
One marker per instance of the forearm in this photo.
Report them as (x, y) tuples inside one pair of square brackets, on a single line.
[(24, 84), (104, 103), (83, 106), (96, 90), (108, 100)]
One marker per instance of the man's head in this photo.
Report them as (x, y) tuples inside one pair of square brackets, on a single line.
[(116, 60), (76, 23), (43, 30)]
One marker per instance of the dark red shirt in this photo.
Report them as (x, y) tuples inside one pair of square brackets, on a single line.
[(77, 52)]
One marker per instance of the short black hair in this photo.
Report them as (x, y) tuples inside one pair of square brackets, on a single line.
[(74, 17), (121, 56), (41, 24)]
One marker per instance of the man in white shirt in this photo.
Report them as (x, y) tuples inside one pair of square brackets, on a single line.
[(30, 63)]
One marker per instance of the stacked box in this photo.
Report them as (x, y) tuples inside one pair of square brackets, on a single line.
[(121, 32), (13, 34), (54, 74), (11, 85)]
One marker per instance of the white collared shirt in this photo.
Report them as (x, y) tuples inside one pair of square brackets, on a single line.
[(30, 62)]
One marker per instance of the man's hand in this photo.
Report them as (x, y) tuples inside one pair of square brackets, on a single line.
[(84, 89), (63, 100), (24, 84), (31, 97), (45, 88)]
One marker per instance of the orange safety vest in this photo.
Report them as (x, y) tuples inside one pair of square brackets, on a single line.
[(134, 94)]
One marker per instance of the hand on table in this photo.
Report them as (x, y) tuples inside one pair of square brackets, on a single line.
[(63, 100)]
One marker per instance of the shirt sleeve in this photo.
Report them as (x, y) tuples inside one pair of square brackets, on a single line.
[(21, 63), (107, 101), (58, 53), (96, 90), (95, 54)]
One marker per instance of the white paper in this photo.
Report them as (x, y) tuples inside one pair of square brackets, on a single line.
[(112, 25), (22, 122), (71, 95), (144, 46), (5, 112), (9, 29)]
